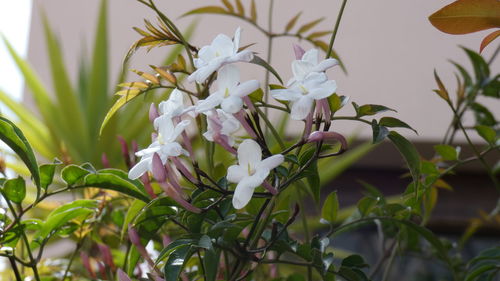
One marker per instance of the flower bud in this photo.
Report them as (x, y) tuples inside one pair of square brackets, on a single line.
[(106, 255), (153, 113), (299, 52), (159, 172), (328, 137), (122, 276), (86, 263), (105, 160)]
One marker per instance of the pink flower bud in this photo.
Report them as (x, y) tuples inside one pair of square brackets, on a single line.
[(136, 240), (166, 240), (183, 169), (147, 185), (105, 160), (172, 193), (240, 116), (153, 113), (159, 172), (125, 151), (269, 187), (328, 137), (299, 52), (106, 255)]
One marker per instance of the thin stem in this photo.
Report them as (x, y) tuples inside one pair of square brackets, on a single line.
[(269, 56), (490, 61), (335, 29), (271, 127), (389, 263), (13, 265), (72, 258)]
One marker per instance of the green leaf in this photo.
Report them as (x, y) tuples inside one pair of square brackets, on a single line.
[(15, 190), (175, 263), (228, 5), (487, 133), (409, 153), (306, 27), (483, 115), (354, 261), (379, 132), (256, 95), (65, 213), (392, 122), (211, 264), (311, 173), (72, 174), (330, 208), (114, 182), (447, 152), (132, 212), (467, 16), (370, 109), (153, 216), (471, 276), (47, 173), (15, 139), (259, 61), (206, 10), (253, 11), (98, 96), (122, 100), (240, 9), (481, 68), (165, 253)]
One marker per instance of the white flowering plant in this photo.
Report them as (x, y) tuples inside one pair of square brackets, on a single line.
[(226, 190)]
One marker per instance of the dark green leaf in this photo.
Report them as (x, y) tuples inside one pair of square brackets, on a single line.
[(114, 182), (15, 190), (483, 115), (330, 208), (175, 263), (354, 261), (370, 109), (259, 61), (487, 133), (392, 122), (481, 68), (11, 135), (211, 264), (474, 274), (379, 132), (409, 152), (447, 152), (72, 174)]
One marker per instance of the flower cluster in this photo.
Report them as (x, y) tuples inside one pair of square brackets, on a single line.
[(223, 110)]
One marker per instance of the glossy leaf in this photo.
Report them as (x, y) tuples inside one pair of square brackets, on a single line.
[(292, 22), (488, 39), (409, 153), (330, 208), (467, 16), (114, 182), (487, 133), (447, 152), (392, 122), (308, 26), (259, 61), (175, 263), (15, 139), (72, 174), (15, 190), (379, 132), (370, 109), (47, 173)]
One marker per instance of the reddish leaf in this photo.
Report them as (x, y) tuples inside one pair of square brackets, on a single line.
[(467, 16), (488, 39)]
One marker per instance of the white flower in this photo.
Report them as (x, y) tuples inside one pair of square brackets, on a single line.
[(164, 145), (302, 94), (221, 123), (308, 64), (222, 51), (230, 91), (250, 172)]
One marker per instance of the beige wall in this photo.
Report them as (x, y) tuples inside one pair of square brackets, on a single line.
[(389, 47)]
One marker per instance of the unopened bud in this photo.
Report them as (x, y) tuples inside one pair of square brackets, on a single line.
[(158, 168), (299, 52), (328, 137), (153, 113), (106, 255), (122, 276)]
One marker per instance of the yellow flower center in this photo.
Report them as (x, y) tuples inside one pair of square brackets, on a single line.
[(303, 89), (251, 171)]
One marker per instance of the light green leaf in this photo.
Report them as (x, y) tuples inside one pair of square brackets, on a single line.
[(15, 190), (487, 133), (330, 208), (447, 152), (47, 173), (72, 174)]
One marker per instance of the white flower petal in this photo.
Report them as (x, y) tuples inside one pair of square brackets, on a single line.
[(179, 128), (206, 54), (236, 40), (236, 173), (311, 56), (246, 88), (242, 194), (286, 94), (232, 104), (301, 69), (325, 64), (140, 168), (271, 162), (314, 79), (223, 45), (325, 90), (249, 153), (210, 102), (301, 108), (170, 149), (244, 56), (228, 77)]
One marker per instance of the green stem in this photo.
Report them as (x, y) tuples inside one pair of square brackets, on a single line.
[(269, 56), (271, 127), (335, 29), (389, 263)]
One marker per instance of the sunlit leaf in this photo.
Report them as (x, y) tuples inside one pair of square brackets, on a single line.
[(71, 174), (488, 39), (15, 190), (47, 173), (116, 183), (125, 97), (447, 152), (466, 16), (370, 109)]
